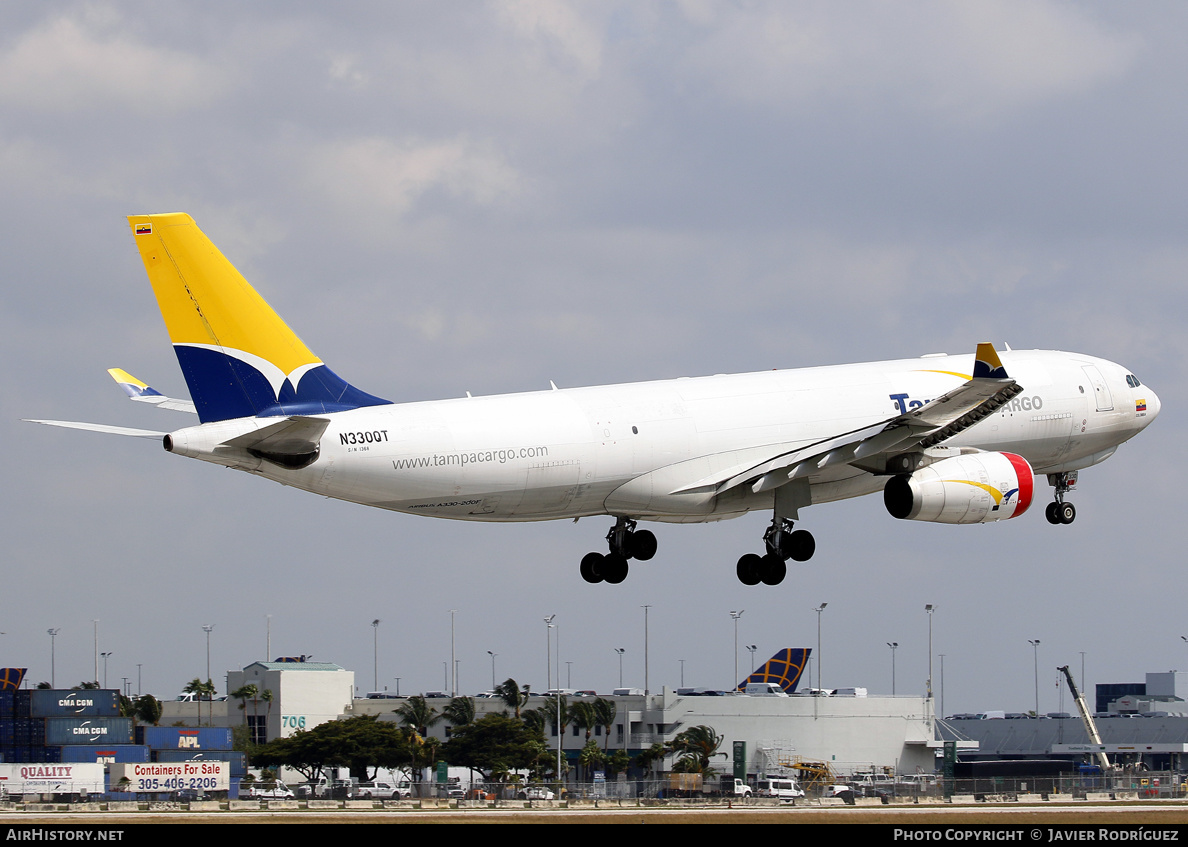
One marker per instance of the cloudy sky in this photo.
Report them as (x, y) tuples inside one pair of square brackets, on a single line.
[(443, 197)]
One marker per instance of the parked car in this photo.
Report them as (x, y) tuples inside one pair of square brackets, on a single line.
[(537, 792), (380, 790)]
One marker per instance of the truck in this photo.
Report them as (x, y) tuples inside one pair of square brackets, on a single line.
[(696, 785)]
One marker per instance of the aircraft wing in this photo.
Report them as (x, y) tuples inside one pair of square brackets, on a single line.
[(874, 448), (143, 393)]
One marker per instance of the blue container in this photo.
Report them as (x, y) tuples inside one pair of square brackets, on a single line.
[(104, 753), (192, 738), (86, 702), (66, 732)]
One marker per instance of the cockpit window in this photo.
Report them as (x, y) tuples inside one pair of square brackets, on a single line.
[(1132, 381)]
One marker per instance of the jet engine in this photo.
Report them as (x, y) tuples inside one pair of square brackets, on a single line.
[(971, 488)]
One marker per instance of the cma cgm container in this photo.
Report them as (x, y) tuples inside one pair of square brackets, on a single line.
[(184, 737), (62, 732), (87, 702)]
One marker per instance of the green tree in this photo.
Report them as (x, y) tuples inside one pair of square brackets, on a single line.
[(418, 715), (696, 746), (590, 757), (459, 711), (494, 745), (581, 715), (148, 709), (512, 695), (364, 744), (605, 712)]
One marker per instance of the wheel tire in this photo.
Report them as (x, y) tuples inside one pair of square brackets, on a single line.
[(642, 545), (614, 568), (772, 570), (802, 545), (1052, 512), (749, 568), (1067, 513), (592, 564)]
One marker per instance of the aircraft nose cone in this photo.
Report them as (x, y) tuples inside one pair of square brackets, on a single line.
[(1153, 405)]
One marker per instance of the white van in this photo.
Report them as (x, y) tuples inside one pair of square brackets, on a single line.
[(780, 787)]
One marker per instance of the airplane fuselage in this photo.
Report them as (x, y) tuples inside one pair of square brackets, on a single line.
[(640, 449)]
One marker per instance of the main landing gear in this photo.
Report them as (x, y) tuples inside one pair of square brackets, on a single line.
[(626, 542), (782, 543), (1059, 512)]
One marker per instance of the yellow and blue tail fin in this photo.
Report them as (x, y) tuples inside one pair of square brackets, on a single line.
[(237, 355)]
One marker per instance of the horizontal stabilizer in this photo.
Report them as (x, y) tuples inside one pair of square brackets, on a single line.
[(143, 393), (110, 430)]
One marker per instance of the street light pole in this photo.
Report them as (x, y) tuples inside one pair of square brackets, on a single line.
[(492, 655), (929, 608), (1035, 651), (620, 651), (53, 634), (375, 652), (735, 616), (819, 610), (646, 689), (207, 629), (892, 645)]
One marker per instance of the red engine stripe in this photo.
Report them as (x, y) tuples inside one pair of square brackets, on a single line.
[(1026, 482)]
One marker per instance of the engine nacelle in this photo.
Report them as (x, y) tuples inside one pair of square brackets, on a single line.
[(974, 488)]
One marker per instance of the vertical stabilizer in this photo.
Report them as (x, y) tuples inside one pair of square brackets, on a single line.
[(238, 357), (784, 669)]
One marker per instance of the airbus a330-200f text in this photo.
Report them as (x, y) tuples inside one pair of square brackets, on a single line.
[(949, 439)]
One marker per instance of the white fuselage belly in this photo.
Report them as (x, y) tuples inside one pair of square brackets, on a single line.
[(623, 449)]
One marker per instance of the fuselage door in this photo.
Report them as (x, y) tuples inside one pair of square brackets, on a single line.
[(1101, 388)]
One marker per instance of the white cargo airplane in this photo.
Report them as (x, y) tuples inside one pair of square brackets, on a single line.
[(949, 439)]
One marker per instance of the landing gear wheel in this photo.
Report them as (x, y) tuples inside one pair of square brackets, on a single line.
[(801, 545), (614, 568), (772, 569), (749, 568), (1067, 512), (642, 544), (1052, 512), (592, 567)]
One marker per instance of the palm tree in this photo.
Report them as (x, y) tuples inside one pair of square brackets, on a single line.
[(459, 711), (582, 715), (605, 712), (696, 746), (245, 693), (512, 695), (418, 715)]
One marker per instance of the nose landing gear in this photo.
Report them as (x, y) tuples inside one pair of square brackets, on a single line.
[(625, 542), (1059, 512)]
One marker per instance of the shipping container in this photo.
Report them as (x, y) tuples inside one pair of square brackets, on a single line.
[(105, 753), (86, 702), (237, 759), (62, 732), (184, 737)]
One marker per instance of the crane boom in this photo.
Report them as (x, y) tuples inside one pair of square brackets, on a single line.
[(1086, 718)]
